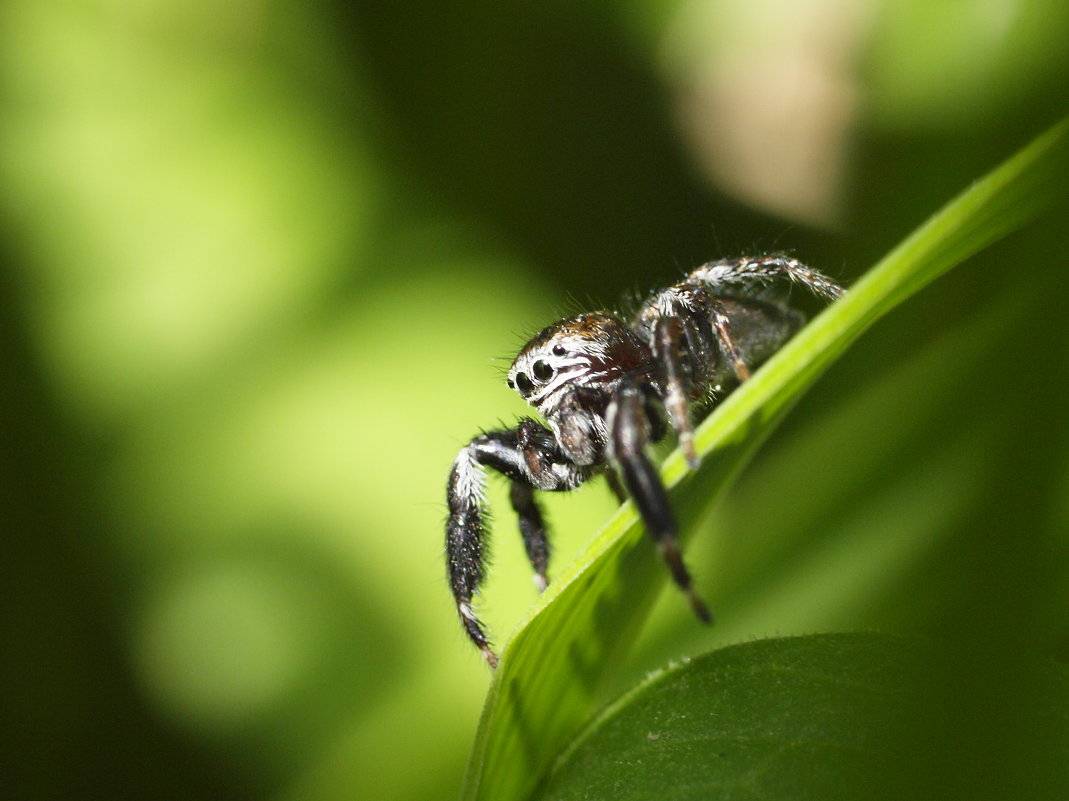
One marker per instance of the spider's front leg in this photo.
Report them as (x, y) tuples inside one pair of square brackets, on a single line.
[(530, 457), (628, 422)]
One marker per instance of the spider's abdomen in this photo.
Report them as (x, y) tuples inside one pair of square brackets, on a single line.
[(758, 326)]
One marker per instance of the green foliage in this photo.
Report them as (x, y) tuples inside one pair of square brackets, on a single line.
[(551, 670)]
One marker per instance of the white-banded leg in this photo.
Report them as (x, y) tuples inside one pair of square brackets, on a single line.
[(529, 456)]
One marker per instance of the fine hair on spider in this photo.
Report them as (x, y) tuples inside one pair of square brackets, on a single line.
[(608, 385)]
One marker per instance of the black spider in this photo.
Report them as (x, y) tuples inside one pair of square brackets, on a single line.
[(605, 386)]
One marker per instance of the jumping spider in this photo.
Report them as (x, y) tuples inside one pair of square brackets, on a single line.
[(605, 385)]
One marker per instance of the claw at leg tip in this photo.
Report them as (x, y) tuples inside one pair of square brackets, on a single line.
[(700, 609), (491, 657), (690, 454)]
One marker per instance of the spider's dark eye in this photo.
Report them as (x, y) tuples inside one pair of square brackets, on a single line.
[(509, 384), (542, 371), (523, 383), (558, 350)]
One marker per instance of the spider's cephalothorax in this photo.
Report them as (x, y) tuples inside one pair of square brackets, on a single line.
[(606, 386)]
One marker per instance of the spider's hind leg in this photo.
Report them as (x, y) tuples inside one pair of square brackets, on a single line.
[(731, 275)]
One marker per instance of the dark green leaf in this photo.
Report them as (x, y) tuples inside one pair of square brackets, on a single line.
[(822, 717)]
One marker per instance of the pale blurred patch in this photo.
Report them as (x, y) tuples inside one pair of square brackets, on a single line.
[(766, 95), (282, 376), (770, 94), (220, 644)]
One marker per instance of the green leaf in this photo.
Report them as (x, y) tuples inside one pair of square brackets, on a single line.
[(821, 717), (553, 668)]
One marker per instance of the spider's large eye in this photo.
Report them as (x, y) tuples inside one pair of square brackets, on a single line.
[(542, 371), (523, 383)]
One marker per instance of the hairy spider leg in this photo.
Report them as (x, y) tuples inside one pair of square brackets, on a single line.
[(532, 530), (615, 486), (745, 273), (727, 342), (628, 425), (667, 346), (529, 456)]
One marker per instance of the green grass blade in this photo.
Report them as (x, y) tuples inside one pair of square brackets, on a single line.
[(550, 673)]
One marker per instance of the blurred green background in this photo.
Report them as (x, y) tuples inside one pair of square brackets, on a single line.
[(264, 262)]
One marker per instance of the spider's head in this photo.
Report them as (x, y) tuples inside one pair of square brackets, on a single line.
[(590, 349)]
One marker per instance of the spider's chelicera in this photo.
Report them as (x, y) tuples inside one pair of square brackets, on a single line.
[(606, 386)]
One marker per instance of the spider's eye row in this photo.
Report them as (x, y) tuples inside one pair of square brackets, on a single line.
[(523, 383), (542, 371), (559, 350)]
